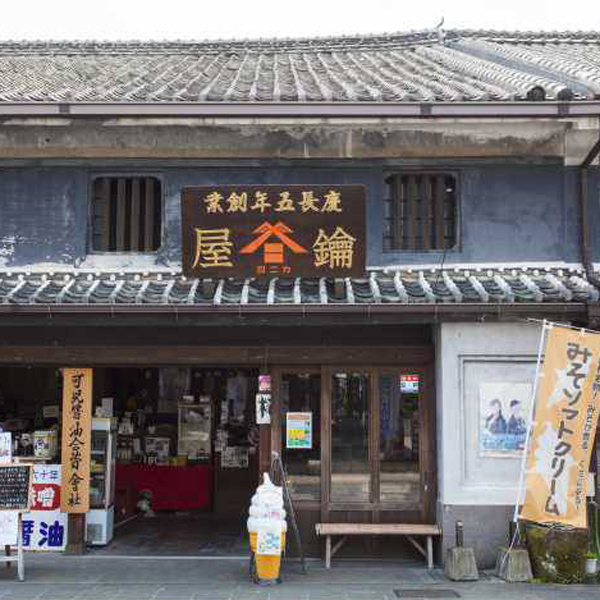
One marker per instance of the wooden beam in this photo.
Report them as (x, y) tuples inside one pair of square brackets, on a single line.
[(189, 355)]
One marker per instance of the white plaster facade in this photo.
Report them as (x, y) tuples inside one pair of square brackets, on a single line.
[(469, 354)]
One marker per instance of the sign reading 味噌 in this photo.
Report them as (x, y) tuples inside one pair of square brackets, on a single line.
[(274, 231)]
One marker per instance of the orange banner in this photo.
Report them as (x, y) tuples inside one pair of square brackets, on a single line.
[(564, 424), (76, 440)]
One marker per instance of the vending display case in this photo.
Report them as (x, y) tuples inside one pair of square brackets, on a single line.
[(100, 518), (195, 428)]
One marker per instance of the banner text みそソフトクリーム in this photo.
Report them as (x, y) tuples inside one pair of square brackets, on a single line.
[(566, 413)]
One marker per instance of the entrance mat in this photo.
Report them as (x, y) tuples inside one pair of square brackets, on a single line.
[(426, 594)]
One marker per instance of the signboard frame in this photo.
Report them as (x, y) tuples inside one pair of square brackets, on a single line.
[(274, 230), (29, 468)]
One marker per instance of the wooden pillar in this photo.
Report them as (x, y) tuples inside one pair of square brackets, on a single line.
[(264, 440), (76, 534)]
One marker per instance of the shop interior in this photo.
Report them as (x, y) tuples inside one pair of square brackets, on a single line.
[(173, 458), (175, 449)]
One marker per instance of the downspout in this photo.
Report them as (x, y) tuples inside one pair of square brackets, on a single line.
[(586, 250)]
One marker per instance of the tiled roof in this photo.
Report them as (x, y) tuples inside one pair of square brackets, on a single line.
[(429, 286), (418, 67)]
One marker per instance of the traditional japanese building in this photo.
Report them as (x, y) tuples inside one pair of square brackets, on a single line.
[(466, 164)]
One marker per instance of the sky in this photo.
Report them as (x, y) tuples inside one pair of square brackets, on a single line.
[(225, 19)]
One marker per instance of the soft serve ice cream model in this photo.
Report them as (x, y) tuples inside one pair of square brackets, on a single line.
[(267, 528)]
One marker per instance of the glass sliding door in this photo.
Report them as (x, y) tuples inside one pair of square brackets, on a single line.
[(300, 410), (400, 416), (350, 418)]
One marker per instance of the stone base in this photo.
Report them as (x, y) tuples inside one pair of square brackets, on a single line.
[(513, 565), (460, 565)]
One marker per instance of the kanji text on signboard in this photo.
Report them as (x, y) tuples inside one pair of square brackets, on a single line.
[(273, 231)]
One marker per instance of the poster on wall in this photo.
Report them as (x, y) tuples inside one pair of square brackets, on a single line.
[(299, 430), (503, 412), (234, 457)]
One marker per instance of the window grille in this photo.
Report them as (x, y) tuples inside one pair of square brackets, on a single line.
[(126, 214), (420, 212)]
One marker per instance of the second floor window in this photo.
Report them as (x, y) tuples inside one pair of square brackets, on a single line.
[(126, 214), (420, 212)]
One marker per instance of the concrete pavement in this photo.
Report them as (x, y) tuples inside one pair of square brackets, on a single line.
[(94, 577)]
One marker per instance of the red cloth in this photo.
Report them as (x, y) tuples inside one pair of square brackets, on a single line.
[(173, 488)]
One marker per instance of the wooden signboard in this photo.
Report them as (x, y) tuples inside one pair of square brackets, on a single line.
[(274, 231), (15, 487), (76, 440)]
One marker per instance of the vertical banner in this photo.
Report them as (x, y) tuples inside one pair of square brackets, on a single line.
[(76, 440), (566, 413)]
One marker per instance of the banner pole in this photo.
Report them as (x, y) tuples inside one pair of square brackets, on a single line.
[(545, 326)]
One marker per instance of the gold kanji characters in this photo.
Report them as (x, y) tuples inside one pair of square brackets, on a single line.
[(213, 203), (213, 248), (333, 202), (260, 202), (237, 202), (285, 203), (336, 250), (309, 202)]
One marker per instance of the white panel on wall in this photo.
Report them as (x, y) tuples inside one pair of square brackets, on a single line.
[(470, 354)]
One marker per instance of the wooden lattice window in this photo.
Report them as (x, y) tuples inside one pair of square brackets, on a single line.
[(126, 214), (420, 212)]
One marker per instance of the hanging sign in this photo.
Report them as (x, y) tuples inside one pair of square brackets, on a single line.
[(566, 413), (299, 430), (76, 440), (274, 231), (263, 409), (409, 384), (5, 447)]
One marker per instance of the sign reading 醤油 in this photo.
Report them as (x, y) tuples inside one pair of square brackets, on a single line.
[(274, 231)]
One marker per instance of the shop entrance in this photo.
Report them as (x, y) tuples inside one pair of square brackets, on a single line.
[(358, 445), (186, 458)]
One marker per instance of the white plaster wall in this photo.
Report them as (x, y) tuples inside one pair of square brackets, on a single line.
[(467, 355)]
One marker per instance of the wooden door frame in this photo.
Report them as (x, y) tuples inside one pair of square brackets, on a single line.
[(427, 436), (427, 449)]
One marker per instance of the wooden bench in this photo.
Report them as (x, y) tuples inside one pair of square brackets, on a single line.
[(346, 529)]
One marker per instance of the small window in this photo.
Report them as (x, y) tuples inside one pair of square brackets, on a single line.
[(420, 212), (126, 214)]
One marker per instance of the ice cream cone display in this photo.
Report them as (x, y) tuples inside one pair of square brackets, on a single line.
[(267, 529)]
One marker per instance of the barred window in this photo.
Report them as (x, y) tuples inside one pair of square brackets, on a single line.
[(126, 214), (420, 212)]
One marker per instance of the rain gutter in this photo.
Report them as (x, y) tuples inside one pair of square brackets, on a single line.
[(477, 309), (514, 109), (583, 188)]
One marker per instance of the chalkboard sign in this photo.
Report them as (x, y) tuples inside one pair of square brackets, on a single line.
[(15, 487)]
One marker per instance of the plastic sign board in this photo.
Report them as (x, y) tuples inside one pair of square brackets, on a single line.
[(299, 430), (274, 231), (409, 384), (46, 487)]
